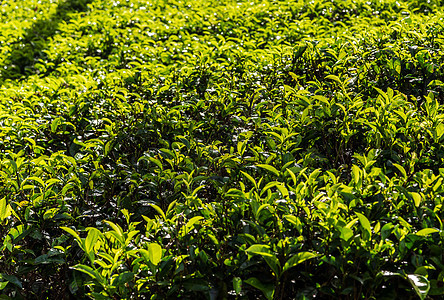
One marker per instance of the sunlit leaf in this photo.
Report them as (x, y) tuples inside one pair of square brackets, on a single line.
[(297, 259)]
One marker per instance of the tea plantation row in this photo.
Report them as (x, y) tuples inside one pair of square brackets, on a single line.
[(221, 149)]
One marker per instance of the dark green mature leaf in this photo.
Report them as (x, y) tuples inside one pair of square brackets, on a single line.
[(420, 284), (90, 271), (267, 289), (12, 279), (237, 285)]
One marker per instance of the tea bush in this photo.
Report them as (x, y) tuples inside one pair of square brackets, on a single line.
[(221, 149)]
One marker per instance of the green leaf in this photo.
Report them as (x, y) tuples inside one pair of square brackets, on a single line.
[(352, 223), (334, 78), (108, 147), (364, 223), (427, 231), (267, 289), (416, 198), (297, 259), (117, 229), (12, 279), (269, 257), (382, 93), (404, 223), (237, 285), (157, 162), (55, 123), (402, 170), (346, 233), (250, 178), (420, 284), (356, 172), (42, 183), (269, 168), (91, 239), (153, 254), (49, 214), (73, 233), (98, 296), (190, 224), (5, 209), (257, 213), (293, 176), (439, 130), (51, 182), (259, 249), (123, 278), (241, 146), (274, 264), (297, 53), (90, 271), (283, 190), (293, 220), (159, 210)]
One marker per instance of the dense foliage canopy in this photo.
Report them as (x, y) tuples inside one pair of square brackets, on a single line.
[(221, 149)]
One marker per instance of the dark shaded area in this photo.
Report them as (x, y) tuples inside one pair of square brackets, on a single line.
[(26, 52)]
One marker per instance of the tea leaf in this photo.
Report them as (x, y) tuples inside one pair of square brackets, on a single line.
[(364, 223), (89, 271), (5, 209), (427, 231), (402, 170), (346, 233), (297, 259), (267, 289), (91, 240), (420, 284), (237, 285), (269, 168), (73, 233), (153, 254), (262, 250)]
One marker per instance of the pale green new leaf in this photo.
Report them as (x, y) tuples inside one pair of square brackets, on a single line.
[(159, 211), (91, 239), (153, 254), (259, 249), (402, 170), (250, 178), (269, 168), (364, 223), (427, 231), (5, 209), (74, 234)]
